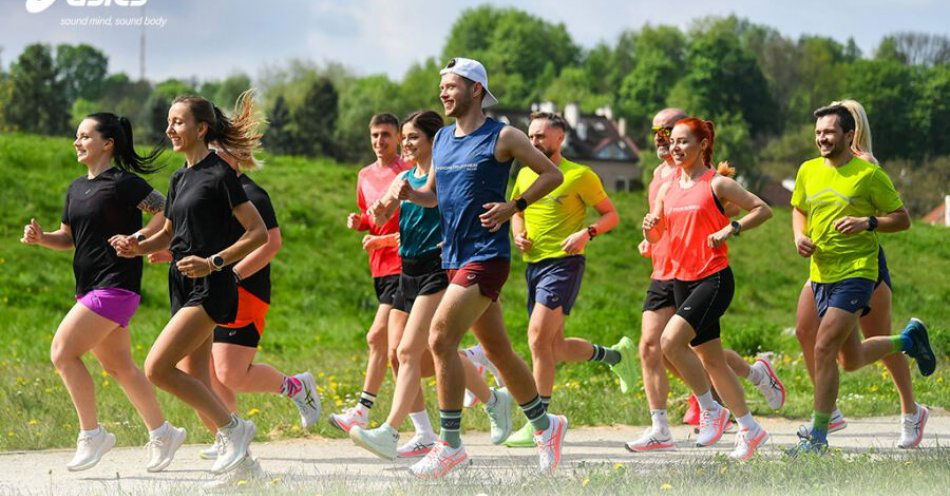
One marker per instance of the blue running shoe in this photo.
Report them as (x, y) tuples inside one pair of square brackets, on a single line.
[(920, 349), (806, 447)]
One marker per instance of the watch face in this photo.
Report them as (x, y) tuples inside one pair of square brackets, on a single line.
[(217, 260)]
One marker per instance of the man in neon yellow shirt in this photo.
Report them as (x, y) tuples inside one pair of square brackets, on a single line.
[(835, 199), (551, 235)]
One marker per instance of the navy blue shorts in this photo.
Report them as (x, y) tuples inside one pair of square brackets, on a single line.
[(555, 282), (883, 275), (849, 295)]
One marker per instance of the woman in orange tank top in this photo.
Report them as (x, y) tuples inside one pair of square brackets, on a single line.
[(689, 212)]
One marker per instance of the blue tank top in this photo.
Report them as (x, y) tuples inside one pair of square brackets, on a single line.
[(420, 229), (467, 177)]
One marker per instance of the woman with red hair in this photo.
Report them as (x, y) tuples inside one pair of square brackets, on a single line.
[(689, 211)]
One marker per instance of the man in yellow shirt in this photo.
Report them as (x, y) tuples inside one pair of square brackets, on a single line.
[(551, 234)]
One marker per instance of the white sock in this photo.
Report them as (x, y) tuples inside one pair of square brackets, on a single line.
[(420, 421), (837, 413), (755, 375), (159, 431), (91, 432), (361, 409), (747, 422), (706, 401), (661, 423)]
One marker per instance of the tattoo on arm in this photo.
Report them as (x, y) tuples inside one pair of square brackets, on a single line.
[(153, 203)]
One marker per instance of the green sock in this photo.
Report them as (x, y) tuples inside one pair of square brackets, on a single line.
[(819, 430), (536, 414), (899, 343), (451, 422)]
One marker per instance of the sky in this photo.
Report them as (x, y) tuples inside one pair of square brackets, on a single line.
[(209, 39)]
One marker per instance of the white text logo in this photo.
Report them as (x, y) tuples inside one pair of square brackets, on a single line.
[(37, 6)]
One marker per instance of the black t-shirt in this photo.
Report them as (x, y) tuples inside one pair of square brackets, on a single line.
[(199, 205), (97, 209), (258, 283)]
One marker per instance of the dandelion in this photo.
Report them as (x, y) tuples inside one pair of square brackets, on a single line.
[(724, 469), (241, 482), (33, 422), (666, 486), (618, 466), (585, 482), (253, 411), (105, 383)]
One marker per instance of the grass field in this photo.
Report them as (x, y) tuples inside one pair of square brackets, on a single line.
[(324, 302)]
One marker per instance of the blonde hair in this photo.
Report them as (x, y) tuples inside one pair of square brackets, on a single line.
[(239, 135), (861, 145)]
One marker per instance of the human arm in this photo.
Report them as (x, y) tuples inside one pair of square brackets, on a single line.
[(729, 190), (60, 239)]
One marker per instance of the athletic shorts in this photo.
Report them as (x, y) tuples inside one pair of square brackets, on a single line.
[(659, 295), (248, 327), (850, 295), (883, 274), (386, 287), (115, 304), (216, 292), (490, 275), (703, 302), (420, 276), (555, 282)]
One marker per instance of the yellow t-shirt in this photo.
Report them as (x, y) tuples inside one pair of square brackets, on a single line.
[(550, 220), (826, 194)]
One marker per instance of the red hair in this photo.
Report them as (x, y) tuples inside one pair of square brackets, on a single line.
[(705, 130)]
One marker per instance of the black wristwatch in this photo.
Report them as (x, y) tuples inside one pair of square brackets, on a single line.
[(591, 232), (521, 204), (872, 223), (736, 228), (217, 262), (139, 237)]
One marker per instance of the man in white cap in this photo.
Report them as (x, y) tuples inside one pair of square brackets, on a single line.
[(471, 161)]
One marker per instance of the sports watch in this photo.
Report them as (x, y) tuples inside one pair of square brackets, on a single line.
[(736, 228), (872, 223), (217, 262)]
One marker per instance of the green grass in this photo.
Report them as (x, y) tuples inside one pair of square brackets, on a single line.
[(324, 302)]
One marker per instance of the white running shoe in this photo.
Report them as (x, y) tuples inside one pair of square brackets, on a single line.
[(248, 470), (419, 445), (712, 424), (307, 400), (232, 444), (747, 442), (441, 460), (162, 449), (90, 448), (836, 424), (549, 444), (912, 428), (499, 416), (651, 440), (380, 441), (209, 453), (769, 385), (470, 399), (477, 355), (346, 420)]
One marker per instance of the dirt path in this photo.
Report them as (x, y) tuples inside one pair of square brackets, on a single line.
[(338, 460)]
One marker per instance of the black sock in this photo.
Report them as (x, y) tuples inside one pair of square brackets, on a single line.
[(534, 410), (546, 401), (605, 355), (367, 399)]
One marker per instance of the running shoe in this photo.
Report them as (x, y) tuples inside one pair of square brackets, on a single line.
[(248, 470), (353, 416), (769, 384), (209, 453), (499, 415), (522, 438), (628, 368), (307, 400), (162, 449), (90, 448), (419, 445), (712, 424), (477, 355), (920, 349), (549, 444), (441, 460), (912, 428), (380, 441), (836, 424), (747, 441), (232, 445), (805, 447), (470, 399), (691, 417), (651, 441)]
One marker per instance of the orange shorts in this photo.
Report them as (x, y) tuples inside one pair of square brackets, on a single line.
[(251, 310)]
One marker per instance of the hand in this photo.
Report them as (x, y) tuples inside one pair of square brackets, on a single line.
[(498, 213), (125, 246), (719, 237), (353, 221), (644, 248), (804, 246), (405, 190), (523, 242), (650, 221), (851, 225), (158, 257), (575, 242), (375, 213), (32, 233), (371, 243), (194, 267)]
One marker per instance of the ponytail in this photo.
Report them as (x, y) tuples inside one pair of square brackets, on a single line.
[(124, 156), (238, 135)]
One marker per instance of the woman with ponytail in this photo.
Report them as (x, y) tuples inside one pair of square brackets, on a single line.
[(688, 210), (104, 205), (210, 225)]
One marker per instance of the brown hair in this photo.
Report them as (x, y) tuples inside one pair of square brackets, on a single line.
[(555, 120), (239, 135), (426, 121), (384, 119)]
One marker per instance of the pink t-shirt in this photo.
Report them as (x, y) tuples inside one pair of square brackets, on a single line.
[(372, 183)]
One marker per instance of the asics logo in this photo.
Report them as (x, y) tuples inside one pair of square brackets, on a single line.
[(37, 6)]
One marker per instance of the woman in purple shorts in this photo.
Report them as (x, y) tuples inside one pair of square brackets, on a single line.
[(107, 202)]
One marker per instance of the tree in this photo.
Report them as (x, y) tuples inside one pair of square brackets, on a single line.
[(933, 109), (359, 100), (156, 118), (170, 89), (574, 85), (37, 101), (83, 70), (230, 89), (914, 48), (420, 87), (316, 119), (888, 90), (279, 139)]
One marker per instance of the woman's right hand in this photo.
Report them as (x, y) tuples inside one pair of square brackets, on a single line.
[(32, 233), (644, 248), (650, 221), (158, 257), (125, 246)]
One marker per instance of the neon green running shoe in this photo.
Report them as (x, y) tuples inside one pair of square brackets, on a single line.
[(627, 368), (522, 438)]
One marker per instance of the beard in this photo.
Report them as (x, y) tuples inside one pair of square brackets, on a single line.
[(663, 153)]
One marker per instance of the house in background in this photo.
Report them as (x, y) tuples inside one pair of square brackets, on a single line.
[(939, 216), (597, 141)]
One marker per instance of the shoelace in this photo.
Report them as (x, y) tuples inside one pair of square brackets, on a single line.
[(222, 442), (705, 419)]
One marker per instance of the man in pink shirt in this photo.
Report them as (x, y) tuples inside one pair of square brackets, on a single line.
[(382, 244)]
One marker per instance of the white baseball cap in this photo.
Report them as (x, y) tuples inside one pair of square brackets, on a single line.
[(472, 70)]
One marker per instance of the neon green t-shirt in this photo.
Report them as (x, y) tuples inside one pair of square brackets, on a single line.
[(826, 194), (550, 220)]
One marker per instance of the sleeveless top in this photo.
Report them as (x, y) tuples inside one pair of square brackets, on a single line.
[(691, 215), (467, 176), (420, 229), (659, 251)]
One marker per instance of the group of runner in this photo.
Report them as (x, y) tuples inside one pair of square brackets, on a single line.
[(437, 217)]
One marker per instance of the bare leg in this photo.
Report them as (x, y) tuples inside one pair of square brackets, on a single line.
[(115, 354), (655, 383), (377, 339), (410, 350), (723, 378), (878, 323)]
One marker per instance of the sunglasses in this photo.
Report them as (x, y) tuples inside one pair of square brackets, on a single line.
[(663, 131)]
